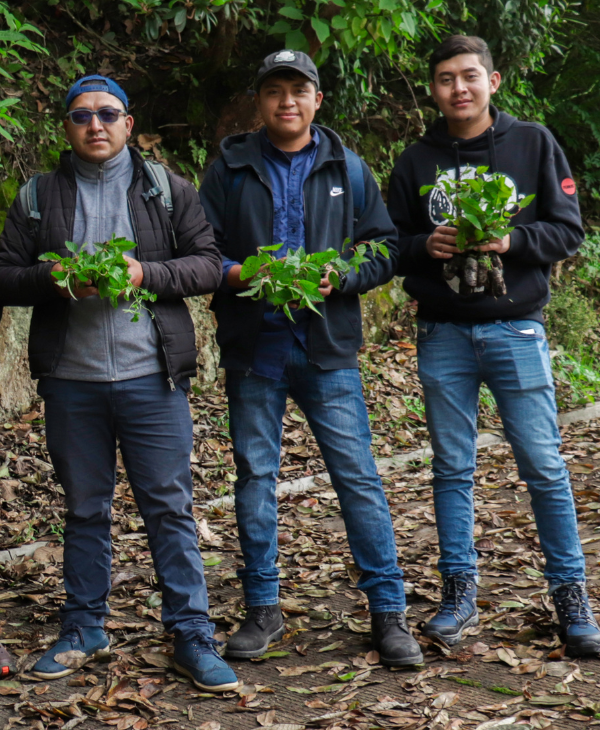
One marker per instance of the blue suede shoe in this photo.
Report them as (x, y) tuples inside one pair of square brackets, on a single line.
[(91, 640), (457, 610), (199, 660), (580, 629)]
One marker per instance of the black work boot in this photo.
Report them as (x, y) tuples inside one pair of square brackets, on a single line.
[(457, 610), (579, 628), (391, 637), (262, 625)]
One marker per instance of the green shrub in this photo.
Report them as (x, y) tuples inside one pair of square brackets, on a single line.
[(572, 320)]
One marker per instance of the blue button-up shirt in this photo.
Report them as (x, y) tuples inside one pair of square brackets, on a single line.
[(287, 174)]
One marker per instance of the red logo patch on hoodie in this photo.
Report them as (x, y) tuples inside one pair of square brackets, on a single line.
[(568, 186)]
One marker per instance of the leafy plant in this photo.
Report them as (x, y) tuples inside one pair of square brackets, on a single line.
[(106, 269), (11, 41), (296, 277), (482, 210)]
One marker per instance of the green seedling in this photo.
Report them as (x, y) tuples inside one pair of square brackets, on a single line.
[(482, 213), (295, 278), (106, 269)]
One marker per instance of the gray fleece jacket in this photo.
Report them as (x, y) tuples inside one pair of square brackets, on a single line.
[(102, 344)]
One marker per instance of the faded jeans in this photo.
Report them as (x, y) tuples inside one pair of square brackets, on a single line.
[(454, 360), (334, 407)]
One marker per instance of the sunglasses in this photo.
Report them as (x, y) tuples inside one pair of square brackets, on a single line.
[(106, 115)]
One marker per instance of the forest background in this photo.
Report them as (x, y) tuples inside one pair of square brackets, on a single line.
[(188, 67)]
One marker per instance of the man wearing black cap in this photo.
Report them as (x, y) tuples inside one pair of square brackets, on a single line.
[(105, 378), (294, 183)]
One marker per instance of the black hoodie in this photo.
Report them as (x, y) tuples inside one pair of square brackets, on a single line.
[(548, 230), (242, 219)]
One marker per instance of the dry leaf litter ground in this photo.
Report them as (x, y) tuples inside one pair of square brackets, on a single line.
[(509, 671)]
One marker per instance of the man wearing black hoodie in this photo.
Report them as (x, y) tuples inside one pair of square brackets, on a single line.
[(465, 340), (294, 183)]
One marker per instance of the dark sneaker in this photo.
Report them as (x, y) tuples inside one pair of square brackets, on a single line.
[(580, 629), (7, 664), (91, 640), (199, 660), (262, 625), (457, 611), (391, 637)]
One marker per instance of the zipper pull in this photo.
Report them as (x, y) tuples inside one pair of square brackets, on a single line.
[(172, 384), (101, 171)]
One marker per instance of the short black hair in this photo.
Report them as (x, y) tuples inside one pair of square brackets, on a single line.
[(457, 44), (287, 74)]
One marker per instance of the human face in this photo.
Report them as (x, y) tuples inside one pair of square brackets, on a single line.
[(462, 89), (97, 142), (288, 106)]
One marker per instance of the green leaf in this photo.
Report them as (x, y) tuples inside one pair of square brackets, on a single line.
[(321, 28), (214, 560), (250, 267), (291, 12), (73, 247), (385, 27), (8, 102), (408, 24), (281, 26), (526, 201), (339, 23), (180, 19), (473, 220), (296, 40), (389, 5), (424, 189), (7, 134), (481, 169)]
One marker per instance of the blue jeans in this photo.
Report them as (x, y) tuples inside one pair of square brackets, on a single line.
[(454, 359), (334, 407), (154, 430)]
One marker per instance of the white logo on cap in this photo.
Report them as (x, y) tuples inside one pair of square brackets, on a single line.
[(284, 57)]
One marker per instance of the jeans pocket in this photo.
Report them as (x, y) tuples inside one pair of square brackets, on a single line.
[(526, 328), (426, 330)]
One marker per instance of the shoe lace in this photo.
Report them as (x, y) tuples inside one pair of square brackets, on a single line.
[(570, 600), (205, 645), (453, 591), (72, 633), (396, 618), (257, 614)]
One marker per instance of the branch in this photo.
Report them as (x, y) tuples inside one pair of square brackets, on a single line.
[(395, 65), (108, 44)]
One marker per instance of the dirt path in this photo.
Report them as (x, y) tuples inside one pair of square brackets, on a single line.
[(322, 674)]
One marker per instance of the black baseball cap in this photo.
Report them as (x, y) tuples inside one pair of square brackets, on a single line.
[(288, 61)]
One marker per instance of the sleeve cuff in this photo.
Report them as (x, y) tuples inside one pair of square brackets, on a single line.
[(518, 240)]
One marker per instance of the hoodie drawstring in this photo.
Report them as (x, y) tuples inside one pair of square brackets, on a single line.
[(457, 159), (492, 148)]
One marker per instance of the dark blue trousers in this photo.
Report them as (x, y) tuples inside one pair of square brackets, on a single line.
[(153, 427)]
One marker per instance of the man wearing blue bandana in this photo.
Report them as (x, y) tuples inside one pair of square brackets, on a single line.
[(108, 380)]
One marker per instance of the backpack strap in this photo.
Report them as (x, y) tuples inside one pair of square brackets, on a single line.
[(357, 182), (29, 202), (156, 173)]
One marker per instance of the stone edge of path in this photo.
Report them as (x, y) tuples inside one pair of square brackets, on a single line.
[(491, 438)]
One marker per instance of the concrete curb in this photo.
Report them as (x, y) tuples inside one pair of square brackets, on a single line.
[(393, 463), (19, 552)]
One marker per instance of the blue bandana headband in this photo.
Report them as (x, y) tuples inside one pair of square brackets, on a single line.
[(96, 83)]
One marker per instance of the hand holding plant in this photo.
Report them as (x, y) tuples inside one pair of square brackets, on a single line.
[(296, 278), (106, 270), (481, 216)]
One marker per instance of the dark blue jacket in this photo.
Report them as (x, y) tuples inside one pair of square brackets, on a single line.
[(243, 221)]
